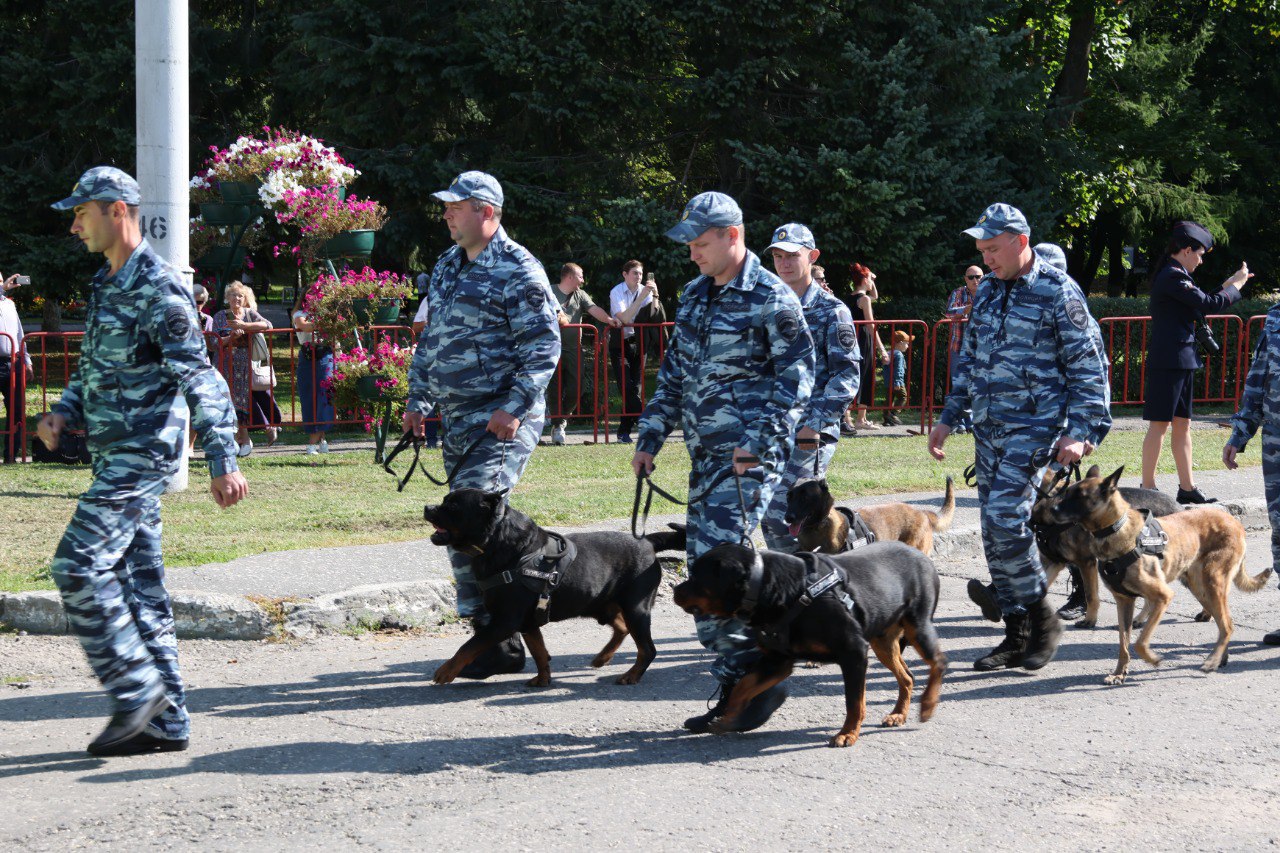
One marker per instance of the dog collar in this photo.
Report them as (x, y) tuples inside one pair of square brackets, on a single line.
[(1111, 529), (754, 580)]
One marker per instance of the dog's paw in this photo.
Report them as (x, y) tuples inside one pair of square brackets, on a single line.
[(811, 664), (1114, 679), (894, 720), (1138, 623), (1210, 665), (843, 740), (718, 726), (1086, 622), (601, 660), (628, 678), (1203, 616), (444, 675), (539, 680), (1149, 656)]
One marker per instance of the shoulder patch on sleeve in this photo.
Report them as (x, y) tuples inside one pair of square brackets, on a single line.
[(788, 324), (845, 334), (535, 295), (177, 323), (1078, 314)]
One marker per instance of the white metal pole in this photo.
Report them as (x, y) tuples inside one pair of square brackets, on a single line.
[(163, 119)]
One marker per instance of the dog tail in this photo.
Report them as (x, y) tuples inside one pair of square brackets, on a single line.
[(1250, 584), (668, 540), (940, 521)]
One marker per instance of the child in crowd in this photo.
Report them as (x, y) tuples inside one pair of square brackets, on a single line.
[(895, 378)]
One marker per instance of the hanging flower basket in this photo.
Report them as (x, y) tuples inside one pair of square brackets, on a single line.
[(367, 388), (349, 244), (386, 313), (239, 192), (216, 258), (225, 214), (358, 298)]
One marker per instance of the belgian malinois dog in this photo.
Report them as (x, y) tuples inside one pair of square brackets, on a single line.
[(1205, 549), (819, 525)]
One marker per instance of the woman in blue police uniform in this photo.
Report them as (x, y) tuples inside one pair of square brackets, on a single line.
[(1176, 305)]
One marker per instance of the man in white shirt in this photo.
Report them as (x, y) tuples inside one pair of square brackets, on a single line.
[(627, 348), (11, 342)]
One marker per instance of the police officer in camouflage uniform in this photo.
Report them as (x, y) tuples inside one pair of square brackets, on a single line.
[(737, 374), (1032, 371), (486, 354), (142, 347), (1260, 407), (835, 380)]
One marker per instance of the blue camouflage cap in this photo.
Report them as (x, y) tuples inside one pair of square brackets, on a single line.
[(102, 183), (478, 185), (793, 237), (706, 210), (998, 219), (1052, 254)]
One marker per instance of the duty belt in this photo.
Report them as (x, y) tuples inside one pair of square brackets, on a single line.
[(859, 533), (777, 637), (540, 571), (1151, 541)]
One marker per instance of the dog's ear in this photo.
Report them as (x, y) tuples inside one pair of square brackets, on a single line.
[(822, 484), (1109, 485), (493, 499), (1094, 471)]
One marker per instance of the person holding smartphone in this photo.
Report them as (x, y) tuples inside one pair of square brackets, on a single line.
[(13, 381), (626, 347)]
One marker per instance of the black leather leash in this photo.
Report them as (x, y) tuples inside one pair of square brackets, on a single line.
[(642, 516), (410, 440)]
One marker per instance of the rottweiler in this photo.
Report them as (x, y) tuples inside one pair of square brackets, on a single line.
[(819, 525), (1204, 548), (530, 576), (878, 595)]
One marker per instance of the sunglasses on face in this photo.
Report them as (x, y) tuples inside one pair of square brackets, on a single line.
[(974, 277)]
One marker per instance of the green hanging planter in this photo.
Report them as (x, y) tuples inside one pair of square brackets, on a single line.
[(367, 388), (225, 214), (217, 256), (363, 310), (386, 313), (340, 193), (349, 244), (239, 192)]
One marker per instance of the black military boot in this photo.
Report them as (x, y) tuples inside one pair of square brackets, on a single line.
[(1076, 603), (124, 726), (701, 724), (1046, 631), (1011, 650), (984, 595), (504, 658), (755, 715)]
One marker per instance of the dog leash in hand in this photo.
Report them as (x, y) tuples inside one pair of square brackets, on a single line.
[(410, 440), (814, 444), (640, 517)]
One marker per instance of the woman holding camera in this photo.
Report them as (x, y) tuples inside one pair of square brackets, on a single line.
[(1177, 305)]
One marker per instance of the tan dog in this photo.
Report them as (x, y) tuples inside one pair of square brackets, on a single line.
[(1205, 550), (819, 525)]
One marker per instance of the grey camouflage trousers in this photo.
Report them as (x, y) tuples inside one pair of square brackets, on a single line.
[(1005, 495), (110, 572), (493, 466), (1271, 485), (800, 466), (715, 518)]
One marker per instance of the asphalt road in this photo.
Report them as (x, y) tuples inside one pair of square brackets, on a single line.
[(344, 741)]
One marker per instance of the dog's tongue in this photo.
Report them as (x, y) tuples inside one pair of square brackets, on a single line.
[(794, 529)]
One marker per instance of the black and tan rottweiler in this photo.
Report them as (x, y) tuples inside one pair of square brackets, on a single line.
[(529, 577), (1202, 547), (819, 525), (879, 595)]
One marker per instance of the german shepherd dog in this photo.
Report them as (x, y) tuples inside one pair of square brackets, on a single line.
[(885, 592), (1062, 544), (1205, 550), (610, 577), (819, 525)]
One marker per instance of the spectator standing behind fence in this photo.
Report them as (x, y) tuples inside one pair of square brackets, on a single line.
[(625, 301), (958, 308), (1033, 372), (235, 326), (1260, 407), (315, 366), (486, 356), (895, 377), (202, 299), (819, 276), (869, 345), (141, 350), (1177, 305), (574, 382), (835, 380), (432, 420), (14, 403)]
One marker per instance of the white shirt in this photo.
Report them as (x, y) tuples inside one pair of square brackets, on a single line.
[(421, 316), (303, 337), (12, 326), (620, 299)]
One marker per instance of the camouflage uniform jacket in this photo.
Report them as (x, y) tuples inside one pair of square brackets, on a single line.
[(835, 349), (1260, 401), (491, 340), (142, 346), (1032, 359), (738, 371)]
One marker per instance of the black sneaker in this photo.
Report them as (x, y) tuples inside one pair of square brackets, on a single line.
[(848, 429), (1194, 496), (984, 595), (1046, 631), (1012, 648), (1272, 639), (127, 725), (624, 438), (1075, 608), (143, 744)]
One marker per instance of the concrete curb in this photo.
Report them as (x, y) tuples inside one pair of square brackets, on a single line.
[(219, 616)]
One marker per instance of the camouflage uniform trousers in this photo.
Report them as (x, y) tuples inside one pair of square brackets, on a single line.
[(1005, 495), (714, 519), (493, 466), (1271, 484), (110, 572), (776, 535)]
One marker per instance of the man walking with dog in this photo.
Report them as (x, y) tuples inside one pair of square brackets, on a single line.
[(143, 346), (737, 375), (1033, 374), (485, 356), (836, 373)]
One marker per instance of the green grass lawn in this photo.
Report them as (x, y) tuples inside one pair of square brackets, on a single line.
[(347, 500)]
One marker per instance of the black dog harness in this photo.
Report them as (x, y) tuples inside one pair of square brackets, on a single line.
[(777, 637), (859, 533), (1151, 541), (1047, 536), (540, 571)]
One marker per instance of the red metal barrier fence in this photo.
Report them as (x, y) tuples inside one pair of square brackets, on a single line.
[(598, 372)]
